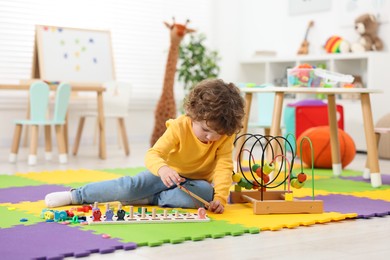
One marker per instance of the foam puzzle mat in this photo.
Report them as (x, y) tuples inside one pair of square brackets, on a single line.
[(24, 234)]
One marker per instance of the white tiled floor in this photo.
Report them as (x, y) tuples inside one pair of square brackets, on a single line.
[(351, 239)]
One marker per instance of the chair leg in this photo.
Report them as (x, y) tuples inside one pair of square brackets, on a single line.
[(122, 127), (32, 158), (78, 135), (48, 145), (15, 143), (66, 135), (60, 134), (119, 135), (26, 136), (95, 132), (25, 141)]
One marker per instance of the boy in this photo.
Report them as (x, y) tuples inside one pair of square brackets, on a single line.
[(195, 151)]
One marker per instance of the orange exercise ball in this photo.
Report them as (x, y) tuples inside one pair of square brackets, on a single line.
[(322, 155)]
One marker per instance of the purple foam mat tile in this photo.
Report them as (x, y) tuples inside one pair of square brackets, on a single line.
[(364, 207), (385, 178), (28, 193), (54, 241)]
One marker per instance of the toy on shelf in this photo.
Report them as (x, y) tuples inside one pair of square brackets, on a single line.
[(336, 44), (308, 76), (304, 48), (366, 25), (262, 178)]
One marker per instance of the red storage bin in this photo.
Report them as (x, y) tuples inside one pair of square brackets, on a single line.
[(305, 114)]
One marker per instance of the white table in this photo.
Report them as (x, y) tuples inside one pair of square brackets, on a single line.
[(372, 171)]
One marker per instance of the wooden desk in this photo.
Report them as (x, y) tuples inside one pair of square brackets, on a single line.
[(95, 87), (372, 149)]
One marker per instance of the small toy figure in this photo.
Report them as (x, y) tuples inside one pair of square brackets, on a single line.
[(60, 215), (49, 215), (96, 213), (120, 213), (109, 213)]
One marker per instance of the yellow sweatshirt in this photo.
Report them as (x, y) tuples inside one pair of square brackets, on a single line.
[(181, 150)]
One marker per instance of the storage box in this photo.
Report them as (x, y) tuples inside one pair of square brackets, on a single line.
[(304, 114), (316, 78)]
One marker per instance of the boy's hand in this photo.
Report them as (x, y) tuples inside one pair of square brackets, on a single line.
[(169, 176), (216, 207)]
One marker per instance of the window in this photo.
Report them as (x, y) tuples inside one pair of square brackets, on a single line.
[(139, 38)]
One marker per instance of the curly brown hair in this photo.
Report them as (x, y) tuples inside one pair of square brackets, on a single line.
[(218, 103)]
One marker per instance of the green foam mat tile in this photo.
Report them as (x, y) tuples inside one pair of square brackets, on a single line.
[(345, 186), (11, 216), (329, 172), (7, 181), (157, 234)]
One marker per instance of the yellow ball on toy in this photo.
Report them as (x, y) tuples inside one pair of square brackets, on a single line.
[(236, 177)]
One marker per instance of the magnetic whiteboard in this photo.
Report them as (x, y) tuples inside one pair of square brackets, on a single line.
[(70, 54)]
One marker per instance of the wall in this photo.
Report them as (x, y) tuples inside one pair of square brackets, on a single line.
[(140, 45), (267, 25), (246, 26), (236, 28)]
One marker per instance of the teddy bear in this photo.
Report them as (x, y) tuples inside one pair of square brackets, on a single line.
[(367, 27)]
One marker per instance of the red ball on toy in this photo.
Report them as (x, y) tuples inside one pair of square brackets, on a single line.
[(322, 155)]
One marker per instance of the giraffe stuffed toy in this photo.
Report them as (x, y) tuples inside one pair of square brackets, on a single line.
[(166, 106)]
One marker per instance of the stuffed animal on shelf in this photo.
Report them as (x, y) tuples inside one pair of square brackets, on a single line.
[(336, 44), (367, 27)]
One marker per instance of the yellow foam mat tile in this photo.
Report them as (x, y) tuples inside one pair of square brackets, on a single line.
[(35, 208), (243, 214), (303, 192), (69, 176), (373, 194)]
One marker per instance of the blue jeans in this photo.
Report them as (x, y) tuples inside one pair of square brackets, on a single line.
[(144, 188)]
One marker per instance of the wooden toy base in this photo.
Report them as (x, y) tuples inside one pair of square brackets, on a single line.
[(149, 219), (273, 202)]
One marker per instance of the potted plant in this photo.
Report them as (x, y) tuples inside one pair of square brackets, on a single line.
[(196, 62)]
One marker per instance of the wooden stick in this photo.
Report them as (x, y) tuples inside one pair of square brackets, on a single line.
[(194, 195)]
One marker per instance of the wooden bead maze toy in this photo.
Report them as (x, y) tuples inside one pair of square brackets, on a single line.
[(268, 184)]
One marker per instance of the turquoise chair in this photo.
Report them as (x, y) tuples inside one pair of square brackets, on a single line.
[(265, 109), (39, 105)]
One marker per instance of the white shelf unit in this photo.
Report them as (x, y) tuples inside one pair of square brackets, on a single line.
[(371, 66)]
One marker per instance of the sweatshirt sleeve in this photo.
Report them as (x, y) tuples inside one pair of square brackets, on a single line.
[(156, 156), (223, 171)]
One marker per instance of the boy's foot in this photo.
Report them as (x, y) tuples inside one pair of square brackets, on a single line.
[(58, 199)]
